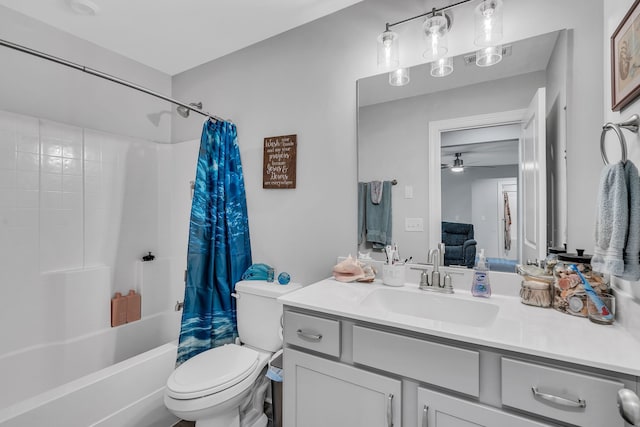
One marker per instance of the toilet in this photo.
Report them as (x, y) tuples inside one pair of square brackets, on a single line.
[(211, 387)]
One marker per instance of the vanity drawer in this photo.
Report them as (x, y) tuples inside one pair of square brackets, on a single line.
[(438, 364), (315, 333), (570, 397)]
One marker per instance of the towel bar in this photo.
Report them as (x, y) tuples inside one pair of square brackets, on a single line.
[(631, 124)]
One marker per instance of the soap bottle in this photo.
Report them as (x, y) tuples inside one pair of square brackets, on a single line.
[(481, 287), (134, 306), (118, 310)]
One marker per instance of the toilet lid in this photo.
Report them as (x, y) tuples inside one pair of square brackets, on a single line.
[(212, 371)]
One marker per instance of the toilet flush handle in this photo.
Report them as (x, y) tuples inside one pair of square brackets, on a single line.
[(236, 296)]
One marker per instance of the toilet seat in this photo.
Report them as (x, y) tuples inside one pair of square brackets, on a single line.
[(212, 371)]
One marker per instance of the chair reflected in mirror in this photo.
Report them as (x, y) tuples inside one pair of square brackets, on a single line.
[(460, 246)]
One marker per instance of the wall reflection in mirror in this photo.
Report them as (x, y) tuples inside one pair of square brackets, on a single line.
[(489, 200)]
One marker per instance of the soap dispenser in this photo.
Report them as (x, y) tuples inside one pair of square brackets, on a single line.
[(481, 286)]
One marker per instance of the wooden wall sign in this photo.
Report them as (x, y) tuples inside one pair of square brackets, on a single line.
[(279, 162)]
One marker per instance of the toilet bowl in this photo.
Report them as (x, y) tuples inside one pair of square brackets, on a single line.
[(212, 387)]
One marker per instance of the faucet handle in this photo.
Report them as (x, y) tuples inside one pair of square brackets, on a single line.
[(424, 279), (448, 286)]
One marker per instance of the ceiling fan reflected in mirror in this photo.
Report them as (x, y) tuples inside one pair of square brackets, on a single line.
[(458, 164)]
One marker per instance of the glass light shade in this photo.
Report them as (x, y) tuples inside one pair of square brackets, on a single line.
[(488, 56), (435, 30), (488, 23), (399, 77), (388, 48), (442, 67), (457, 169)]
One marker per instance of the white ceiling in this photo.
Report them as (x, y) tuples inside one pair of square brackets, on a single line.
[(175, 35)]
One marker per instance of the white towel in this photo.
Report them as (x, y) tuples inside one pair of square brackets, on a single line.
[(612, 221), (376, 192), (632, 246)]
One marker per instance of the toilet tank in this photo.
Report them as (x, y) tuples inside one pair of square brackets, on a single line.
[(259, 312)]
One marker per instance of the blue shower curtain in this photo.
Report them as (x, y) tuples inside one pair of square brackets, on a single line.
[(219, 248)]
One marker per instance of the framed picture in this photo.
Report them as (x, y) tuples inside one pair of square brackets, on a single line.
[(625, 59)]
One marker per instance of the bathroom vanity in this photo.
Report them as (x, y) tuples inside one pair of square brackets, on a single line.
[(370, 355)]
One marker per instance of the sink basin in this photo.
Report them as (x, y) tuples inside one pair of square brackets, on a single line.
[(445, 308)]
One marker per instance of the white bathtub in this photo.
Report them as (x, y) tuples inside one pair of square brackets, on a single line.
[(114, 377)]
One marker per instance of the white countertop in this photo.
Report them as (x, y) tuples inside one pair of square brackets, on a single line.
[(537, 331)]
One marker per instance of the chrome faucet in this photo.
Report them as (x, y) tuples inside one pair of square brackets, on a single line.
[(438, 285)]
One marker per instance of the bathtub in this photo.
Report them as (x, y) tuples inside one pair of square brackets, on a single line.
[(112, 378)]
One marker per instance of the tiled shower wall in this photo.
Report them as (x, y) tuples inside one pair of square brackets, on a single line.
[(78, 209)]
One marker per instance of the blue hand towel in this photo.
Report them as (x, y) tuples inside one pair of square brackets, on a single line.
[(362, 203), (612, 221), (632, 246), (378, 218)]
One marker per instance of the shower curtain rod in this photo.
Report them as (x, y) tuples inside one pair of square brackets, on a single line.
[(105, 76)]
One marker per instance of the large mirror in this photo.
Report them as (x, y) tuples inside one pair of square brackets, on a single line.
[(509, 198)]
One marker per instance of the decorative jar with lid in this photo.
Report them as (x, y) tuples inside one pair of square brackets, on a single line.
[(569, 295)]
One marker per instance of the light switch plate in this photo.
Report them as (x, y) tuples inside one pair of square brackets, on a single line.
[(414, 224), (408, 191)]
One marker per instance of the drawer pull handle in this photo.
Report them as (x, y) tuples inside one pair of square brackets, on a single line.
[(559, 400), (309, 335), (425, 416), (390, 411)]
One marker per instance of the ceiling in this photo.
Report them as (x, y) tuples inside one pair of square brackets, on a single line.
[(173, 36), (486, 146)]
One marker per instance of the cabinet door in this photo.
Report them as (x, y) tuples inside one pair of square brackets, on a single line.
[(320, 393), (440, 410)]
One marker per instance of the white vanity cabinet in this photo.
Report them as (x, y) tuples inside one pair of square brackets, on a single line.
[(341, 371), (320, 393), (441, 410)]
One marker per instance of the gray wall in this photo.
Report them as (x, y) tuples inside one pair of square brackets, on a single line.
[(457, 189), (303, 82), (39, 88)]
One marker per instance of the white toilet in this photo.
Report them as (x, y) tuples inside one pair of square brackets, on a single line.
[(210, 387)]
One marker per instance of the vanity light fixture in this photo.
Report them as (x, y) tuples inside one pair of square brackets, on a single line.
[(388, 48), (435, 30), (399, 77), (488, 23), (442, 67), (437, 25), (488, 34), (488, 56)]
